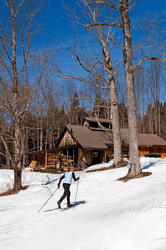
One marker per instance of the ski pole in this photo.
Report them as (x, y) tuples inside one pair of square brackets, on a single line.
[(76, 191), (48, 200)]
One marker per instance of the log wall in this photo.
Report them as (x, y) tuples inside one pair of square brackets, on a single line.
[(155, 149)]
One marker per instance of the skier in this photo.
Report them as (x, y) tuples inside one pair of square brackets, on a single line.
[(66, 185)]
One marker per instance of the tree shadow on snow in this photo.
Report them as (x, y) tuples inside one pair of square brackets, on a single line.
[(49, 181), (148, 166)]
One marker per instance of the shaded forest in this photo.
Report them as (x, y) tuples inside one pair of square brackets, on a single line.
[(51, 111)]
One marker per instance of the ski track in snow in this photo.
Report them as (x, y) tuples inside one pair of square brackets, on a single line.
[(116, 215)]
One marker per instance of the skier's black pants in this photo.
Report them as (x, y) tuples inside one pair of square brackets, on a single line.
[(66, 187)]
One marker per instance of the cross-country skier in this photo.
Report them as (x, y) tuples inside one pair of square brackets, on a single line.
[(66, 185)]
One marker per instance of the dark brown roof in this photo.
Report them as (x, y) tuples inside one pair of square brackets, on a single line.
[(143, 139), (90, 139), (99, 139)]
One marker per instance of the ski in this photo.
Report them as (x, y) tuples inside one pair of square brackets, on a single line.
[(65, 208), (73, 205), (53, 209)]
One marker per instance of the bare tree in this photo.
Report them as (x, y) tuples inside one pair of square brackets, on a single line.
[(92, 65), (41, 102), (149, 85), (132, 118), (155, 91), (119, 18), (17, 60)]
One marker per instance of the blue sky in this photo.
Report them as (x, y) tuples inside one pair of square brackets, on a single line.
[(55, 14)]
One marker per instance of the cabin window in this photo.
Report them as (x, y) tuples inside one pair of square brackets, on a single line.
[(67, 134), (95, 154), (93, 125), (106, 125), (125, 152)]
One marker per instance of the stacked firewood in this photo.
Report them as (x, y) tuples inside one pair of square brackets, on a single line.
[(62, 161), (56, 162), (51, 161)]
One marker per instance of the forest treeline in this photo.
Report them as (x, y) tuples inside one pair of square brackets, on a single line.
[(47, 117)]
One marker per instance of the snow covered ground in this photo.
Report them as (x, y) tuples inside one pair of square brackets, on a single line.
[(116, 215)]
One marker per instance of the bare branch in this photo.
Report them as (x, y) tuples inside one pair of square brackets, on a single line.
[(60, 74), (5, 50), (100, 2), (102, 25), (155, 59), (20, 5)]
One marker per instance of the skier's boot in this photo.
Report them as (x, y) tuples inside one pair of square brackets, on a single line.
[(59, 204)]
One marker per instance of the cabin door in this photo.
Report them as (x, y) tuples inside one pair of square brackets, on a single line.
[(73, 153), (96, 156)]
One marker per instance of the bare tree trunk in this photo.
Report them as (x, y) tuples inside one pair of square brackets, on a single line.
[(18, 177), (25, 146), (159, 122), (38, 134), (112, 90), (50, 139), (41, 132), (129, 77), (17, 142), (116, 124)]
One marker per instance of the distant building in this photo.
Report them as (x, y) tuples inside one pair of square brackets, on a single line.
[(92, 143)]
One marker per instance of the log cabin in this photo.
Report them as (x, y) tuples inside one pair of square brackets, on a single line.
[(82, 146)]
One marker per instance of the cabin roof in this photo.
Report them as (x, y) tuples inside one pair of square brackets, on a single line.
[(90, 139), (143, 139)]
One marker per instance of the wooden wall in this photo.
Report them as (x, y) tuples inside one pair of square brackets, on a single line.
[(42, 158), (67, 140), (48, 158), (155, 149)]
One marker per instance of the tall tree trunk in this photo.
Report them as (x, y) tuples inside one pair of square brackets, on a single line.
[(17, 168), (116, 124), (114, 105), (18, 177), (7, 159), (26, 137), (17, 149), (129, 76), (41, 132), (159, 122), (50, 139), (38, 134), (151, 119)]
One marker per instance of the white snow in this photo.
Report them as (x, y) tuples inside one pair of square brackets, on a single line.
[(116, 216)]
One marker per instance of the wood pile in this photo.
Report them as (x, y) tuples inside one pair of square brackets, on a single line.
[(33, 164), (38, 167), (54, 162), (51, 163)]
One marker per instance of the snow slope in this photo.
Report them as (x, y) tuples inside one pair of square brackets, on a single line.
[(116, 215)]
